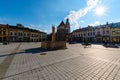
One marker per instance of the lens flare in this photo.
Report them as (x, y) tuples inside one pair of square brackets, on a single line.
[(100, 11)]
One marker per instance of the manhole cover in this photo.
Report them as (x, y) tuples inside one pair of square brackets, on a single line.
[(43, 53)]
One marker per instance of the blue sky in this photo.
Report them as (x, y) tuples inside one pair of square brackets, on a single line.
[(41, 14)]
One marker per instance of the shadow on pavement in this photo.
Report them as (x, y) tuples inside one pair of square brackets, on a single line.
[(35, 50), (31, 50), (6, 55)]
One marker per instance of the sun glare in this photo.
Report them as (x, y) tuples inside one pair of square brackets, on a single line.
[(100, 11)]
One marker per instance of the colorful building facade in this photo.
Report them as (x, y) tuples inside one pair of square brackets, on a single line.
[(102, 33), (34, 35), (4, 32), (43, 36), (19, 33), (115, 33)]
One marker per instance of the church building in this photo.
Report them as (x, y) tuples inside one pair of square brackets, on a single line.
[(62, 30)]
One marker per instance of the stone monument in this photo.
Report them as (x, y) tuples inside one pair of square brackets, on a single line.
[(53, 44), (53, 34)]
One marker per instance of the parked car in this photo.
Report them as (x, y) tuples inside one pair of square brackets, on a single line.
[(71, 42), (112, 45), (118, 45), (5, 43), (86, 44)]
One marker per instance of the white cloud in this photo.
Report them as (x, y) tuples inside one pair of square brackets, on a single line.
[(35, 26), (95, 23), (74, 16), (48, 31), (82, 21), (32, 25), (40, 27)]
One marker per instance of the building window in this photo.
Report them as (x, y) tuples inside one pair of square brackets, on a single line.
[(98, 32), (24, 34), (103, 32), (4, 32), (15, 33), (93, 33), (107, 32), (18, 34), (0, 32), (88, 34), (84, 34), (11, 33), (27, 34), (81, 35), (21, 34)]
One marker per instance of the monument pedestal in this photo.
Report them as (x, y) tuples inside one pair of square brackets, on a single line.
[(53, 45), (49, 45)]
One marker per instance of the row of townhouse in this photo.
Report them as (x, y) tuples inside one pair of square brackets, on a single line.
[(19, 33), (102, 33)]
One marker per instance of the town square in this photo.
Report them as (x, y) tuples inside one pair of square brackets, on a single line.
[(30, 62), (59, 40)]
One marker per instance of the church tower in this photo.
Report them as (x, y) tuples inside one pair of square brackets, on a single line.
[(68, 25), (63, 30)]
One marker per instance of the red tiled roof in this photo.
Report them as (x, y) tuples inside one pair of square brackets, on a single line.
[(62, 24), (3, 25)]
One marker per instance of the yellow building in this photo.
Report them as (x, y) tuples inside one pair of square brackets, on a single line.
[(115, 32), (4, 32), (34, 35), (13, 33), (106, 32), (43, 36), (19, 33)]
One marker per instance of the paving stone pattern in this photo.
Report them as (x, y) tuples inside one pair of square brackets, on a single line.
[(5, 63), (6, 49), (74, 63)]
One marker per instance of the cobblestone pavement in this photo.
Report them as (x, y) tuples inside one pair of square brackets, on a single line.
[(6, 49), (74, 63)]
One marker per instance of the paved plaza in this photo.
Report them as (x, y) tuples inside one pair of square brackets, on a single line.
[(30, 62)]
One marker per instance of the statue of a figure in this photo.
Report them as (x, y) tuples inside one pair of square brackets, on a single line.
[(53, 33)]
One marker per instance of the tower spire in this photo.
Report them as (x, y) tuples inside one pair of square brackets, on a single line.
[(68, 25)]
